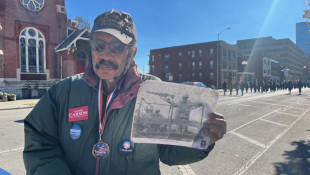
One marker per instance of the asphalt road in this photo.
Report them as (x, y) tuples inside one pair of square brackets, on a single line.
[(267, 134)]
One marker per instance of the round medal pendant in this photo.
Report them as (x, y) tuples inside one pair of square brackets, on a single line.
[(101, 150)]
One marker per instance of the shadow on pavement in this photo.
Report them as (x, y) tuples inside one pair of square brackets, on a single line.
[(298, 160), (18, 121)]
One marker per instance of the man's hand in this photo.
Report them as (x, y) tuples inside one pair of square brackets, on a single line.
[(216, 127)]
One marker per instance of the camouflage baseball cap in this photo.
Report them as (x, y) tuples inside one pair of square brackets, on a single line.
[(116, 23)]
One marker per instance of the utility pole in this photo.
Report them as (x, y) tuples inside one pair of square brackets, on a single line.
[(217, 57)]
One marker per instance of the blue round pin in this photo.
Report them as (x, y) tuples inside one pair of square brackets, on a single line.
[(126, 147), (75, 131)]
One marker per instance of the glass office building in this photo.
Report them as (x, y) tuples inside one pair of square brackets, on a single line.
[(303, 36)]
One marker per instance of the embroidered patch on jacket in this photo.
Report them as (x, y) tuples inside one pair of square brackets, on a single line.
[(77, 114)]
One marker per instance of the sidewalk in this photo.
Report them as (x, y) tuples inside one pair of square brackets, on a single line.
[(18, 104)]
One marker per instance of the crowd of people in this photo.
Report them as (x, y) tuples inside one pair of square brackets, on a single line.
[(263, 86)]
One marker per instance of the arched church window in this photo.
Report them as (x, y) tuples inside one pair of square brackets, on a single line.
[(33, 5), (32, 51)]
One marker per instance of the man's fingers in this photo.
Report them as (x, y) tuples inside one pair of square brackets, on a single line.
[(213, 137), (214, 115), (217, 121), (217, 129)]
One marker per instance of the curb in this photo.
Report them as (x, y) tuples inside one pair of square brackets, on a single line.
[(26, 107)]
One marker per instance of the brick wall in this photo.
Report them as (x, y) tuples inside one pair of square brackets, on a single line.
[(15, 18)]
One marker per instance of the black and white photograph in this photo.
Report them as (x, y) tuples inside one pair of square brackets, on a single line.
[(171, 113)]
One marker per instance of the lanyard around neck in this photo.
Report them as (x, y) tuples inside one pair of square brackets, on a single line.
[(100, 103)]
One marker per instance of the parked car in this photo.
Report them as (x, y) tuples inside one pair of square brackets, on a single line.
[(145, 76), (199, 84)]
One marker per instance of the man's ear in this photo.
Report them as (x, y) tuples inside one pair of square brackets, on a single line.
[(134, 53)]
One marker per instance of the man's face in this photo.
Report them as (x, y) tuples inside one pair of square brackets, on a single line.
[(108, 60)]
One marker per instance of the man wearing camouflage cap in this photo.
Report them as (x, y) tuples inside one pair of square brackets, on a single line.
[(82, 125)]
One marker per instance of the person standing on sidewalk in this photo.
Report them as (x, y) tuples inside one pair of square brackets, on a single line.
[(242, 88), (254, 86), (299, 85), (230, 87), (237, 87), (82, 125), (251, 86), (224, 87), (290, 86)]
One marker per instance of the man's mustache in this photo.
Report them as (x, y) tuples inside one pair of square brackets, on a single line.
[(106, 63)]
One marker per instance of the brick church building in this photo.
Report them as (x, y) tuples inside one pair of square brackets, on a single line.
[(37, 42)]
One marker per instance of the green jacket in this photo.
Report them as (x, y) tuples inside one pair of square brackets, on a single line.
[(49, 149)]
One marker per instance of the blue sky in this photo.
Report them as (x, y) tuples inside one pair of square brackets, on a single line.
[(166, 23)]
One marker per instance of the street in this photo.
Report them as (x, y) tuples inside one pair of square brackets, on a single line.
[(266, 134)]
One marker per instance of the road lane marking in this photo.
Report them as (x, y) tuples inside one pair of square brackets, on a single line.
[(249, 139), (288, 114), (11, 150), (291, 102), (280, 124), (186, 170), (278, 105), (243, 169), (253, 121), (232, 104), (244, 105)]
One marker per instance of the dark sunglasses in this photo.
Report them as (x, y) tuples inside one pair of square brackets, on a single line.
[(116, 47)]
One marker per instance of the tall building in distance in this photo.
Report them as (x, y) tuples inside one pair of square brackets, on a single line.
[(283, 52), (303, 36), (195, 62)]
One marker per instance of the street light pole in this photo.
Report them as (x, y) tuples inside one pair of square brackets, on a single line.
[(217, 57)]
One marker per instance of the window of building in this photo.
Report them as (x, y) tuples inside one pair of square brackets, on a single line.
[(211, 76), (200, 53), (32, 51), (229, 63), (211, 64), (200, 75), (200, 64), (166, 57), (211, 52), (180, 77), (33, 5), (180, 55), (152, 68), (193, 65), (189, 53), (159, 68), (234, 64), (159, 56), (193, 75), (166, 68), (224, 65), (224, 52), (193, 54), (180, 66), (153, 58)]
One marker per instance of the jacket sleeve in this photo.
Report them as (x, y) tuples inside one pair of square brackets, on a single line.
[(42, 153), (177, 155)]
